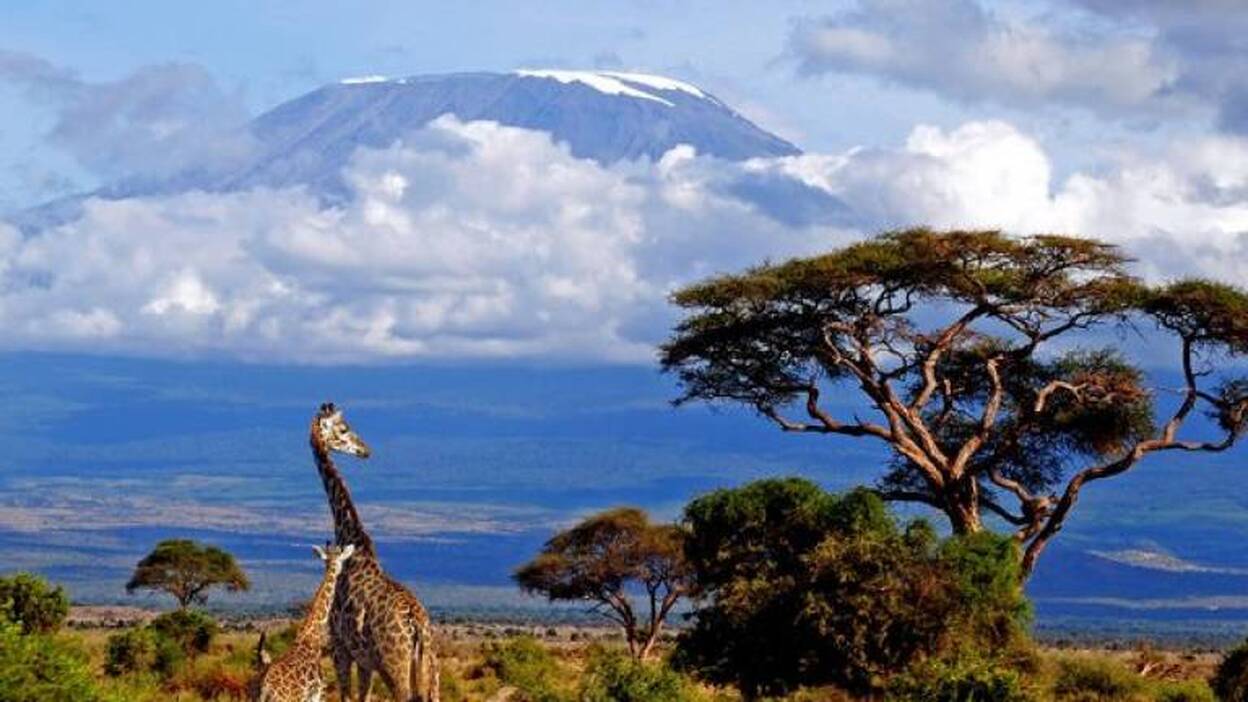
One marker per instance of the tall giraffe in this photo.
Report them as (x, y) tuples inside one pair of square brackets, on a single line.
[(296, 676), (375, 623)]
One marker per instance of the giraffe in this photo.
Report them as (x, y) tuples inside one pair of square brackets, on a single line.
[(376, 623), (296, 676)]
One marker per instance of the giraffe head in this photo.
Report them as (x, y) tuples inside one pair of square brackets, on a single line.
[(334, 556), (336, 435)]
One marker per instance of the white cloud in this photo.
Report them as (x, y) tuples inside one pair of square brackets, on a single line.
[(962, 49), (474, 240), (155, 122), (1185, 213)]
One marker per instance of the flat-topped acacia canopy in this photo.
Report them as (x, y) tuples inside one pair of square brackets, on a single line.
[(947, 336)]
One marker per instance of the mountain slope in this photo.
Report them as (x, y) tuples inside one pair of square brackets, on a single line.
[(604, 116)]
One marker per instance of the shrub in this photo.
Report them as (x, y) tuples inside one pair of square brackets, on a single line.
[(1088, 678), (1230, 681), (612, 676), (42, 668), (130, 651), (28, 600), (984, 571), (1185, 691), (799, 587), (962, 679), (192, 631), (219, 683), (168, 656), (525, 664)]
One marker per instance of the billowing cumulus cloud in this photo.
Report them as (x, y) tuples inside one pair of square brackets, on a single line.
[(1126, 60), (469, 240), (475, 240), (1185, 213)]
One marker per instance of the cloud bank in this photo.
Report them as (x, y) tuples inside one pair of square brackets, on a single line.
[(474, 240), (1132, 60)]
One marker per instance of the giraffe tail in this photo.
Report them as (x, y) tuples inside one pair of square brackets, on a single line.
[(262, 656), (426, 681)]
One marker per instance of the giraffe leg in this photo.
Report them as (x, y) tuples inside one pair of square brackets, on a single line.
[(342, 670), (433, 675), (396, 673), (366, 683)]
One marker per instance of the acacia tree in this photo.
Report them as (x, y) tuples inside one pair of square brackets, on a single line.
[(954, 340), (187, 570), (605, 560)]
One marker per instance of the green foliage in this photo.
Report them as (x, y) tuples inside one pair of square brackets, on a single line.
[(1204, 311), (190, 631), (1096, 678), (1184, 691), (130, 651), (960, 679), (612, 676), (161, 647), (1230, 681), (30, 601), (524, 663), (187, 570), (42, 668), (983, 573), (797, 586)]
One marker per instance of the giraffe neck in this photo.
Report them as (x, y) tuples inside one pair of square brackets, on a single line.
[(315, 627), (348, 529)]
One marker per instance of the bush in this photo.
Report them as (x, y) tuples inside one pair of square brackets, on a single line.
[(192, 631), (1230, 681), (130, 651), (984, 572), (612, 676), (167, 656), (964, 679), (28, 600), (800, 587), (1185, 691), (525, 664), (42, 668), (1092, 678)]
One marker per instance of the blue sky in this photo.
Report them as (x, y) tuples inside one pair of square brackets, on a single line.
[(1121, 120), (269, 52)]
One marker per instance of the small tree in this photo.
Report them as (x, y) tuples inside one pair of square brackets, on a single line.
[(28, 600), (946, 339), (187, 570), (606, 560)]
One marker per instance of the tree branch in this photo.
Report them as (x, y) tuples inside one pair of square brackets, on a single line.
[(1166, 441)]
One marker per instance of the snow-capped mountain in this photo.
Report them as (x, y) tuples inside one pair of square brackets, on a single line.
[(605, 116)]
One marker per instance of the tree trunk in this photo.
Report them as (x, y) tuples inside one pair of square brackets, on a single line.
[(962, 507), (645, 648)]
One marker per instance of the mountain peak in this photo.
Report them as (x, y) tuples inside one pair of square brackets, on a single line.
[(606, 116), (636, 85)]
